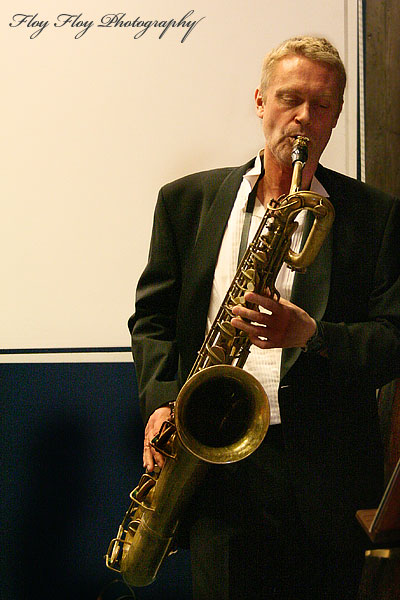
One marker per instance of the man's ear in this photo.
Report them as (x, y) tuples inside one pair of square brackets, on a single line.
[(259, 102)]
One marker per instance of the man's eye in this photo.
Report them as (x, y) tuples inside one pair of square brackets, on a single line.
[(292, 100), (323, 104)]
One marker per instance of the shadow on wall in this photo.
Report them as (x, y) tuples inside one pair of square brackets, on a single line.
[(72, 443)]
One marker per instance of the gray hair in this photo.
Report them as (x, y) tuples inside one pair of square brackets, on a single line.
[(313, 48)]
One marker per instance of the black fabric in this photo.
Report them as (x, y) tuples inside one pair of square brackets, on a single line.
[(251, 200), (248, 539), (333, 451)]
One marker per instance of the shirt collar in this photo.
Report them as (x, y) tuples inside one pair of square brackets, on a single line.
[(253, 174)]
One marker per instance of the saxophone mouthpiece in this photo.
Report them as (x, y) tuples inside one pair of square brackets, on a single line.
[(300, 149)]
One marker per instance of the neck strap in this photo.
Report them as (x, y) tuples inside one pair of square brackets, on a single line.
[(249, 213)]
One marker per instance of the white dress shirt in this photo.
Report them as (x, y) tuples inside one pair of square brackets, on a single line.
[(263, 364)]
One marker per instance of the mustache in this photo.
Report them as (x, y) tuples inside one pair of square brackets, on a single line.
[(295, 133)]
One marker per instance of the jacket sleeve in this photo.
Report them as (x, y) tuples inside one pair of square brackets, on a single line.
[(153, 326), (369, 351)]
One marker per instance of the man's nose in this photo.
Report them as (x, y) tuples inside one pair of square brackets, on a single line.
[(303, 114)]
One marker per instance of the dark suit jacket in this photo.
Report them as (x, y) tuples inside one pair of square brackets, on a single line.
[(328, 406)]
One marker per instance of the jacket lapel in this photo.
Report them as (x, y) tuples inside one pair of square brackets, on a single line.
[(197, 285), (310, 290)]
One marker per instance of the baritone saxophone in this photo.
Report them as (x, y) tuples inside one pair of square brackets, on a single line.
[(221, 414)]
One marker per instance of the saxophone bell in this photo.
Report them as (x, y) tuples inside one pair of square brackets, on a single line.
[(221, 414)]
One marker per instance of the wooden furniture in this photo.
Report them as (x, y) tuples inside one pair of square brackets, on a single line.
[(381, 573)]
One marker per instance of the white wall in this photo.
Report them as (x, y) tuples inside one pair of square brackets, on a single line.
[(92, 127)]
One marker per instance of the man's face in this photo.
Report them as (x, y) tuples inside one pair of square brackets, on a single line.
[(301, 99)]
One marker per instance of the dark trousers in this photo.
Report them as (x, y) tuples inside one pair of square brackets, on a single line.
[(248, 541)]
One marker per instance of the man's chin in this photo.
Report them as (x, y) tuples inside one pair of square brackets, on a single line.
[(284, 156), (285, 149), (282, 152)]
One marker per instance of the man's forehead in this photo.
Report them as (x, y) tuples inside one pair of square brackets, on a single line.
[(298, 72), (293, 65)]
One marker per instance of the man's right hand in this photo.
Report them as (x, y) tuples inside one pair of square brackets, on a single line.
[(150, 456)]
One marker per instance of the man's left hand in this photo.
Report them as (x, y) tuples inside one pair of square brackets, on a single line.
[(284, 326)]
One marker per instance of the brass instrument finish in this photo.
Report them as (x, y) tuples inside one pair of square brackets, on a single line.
[(221, 414)]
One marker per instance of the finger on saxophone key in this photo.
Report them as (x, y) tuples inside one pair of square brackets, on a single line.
[(147, 456)]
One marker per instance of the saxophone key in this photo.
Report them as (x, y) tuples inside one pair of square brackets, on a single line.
[(217, 355), (227, 329)]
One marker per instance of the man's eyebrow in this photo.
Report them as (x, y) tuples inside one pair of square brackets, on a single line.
[(292, 92), (287, 90), (298, 93)]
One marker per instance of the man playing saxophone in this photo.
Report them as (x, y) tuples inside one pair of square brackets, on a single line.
[(280, 523)]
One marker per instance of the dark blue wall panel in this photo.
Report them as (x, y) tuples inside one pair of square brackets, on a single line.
[(71, 453)]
